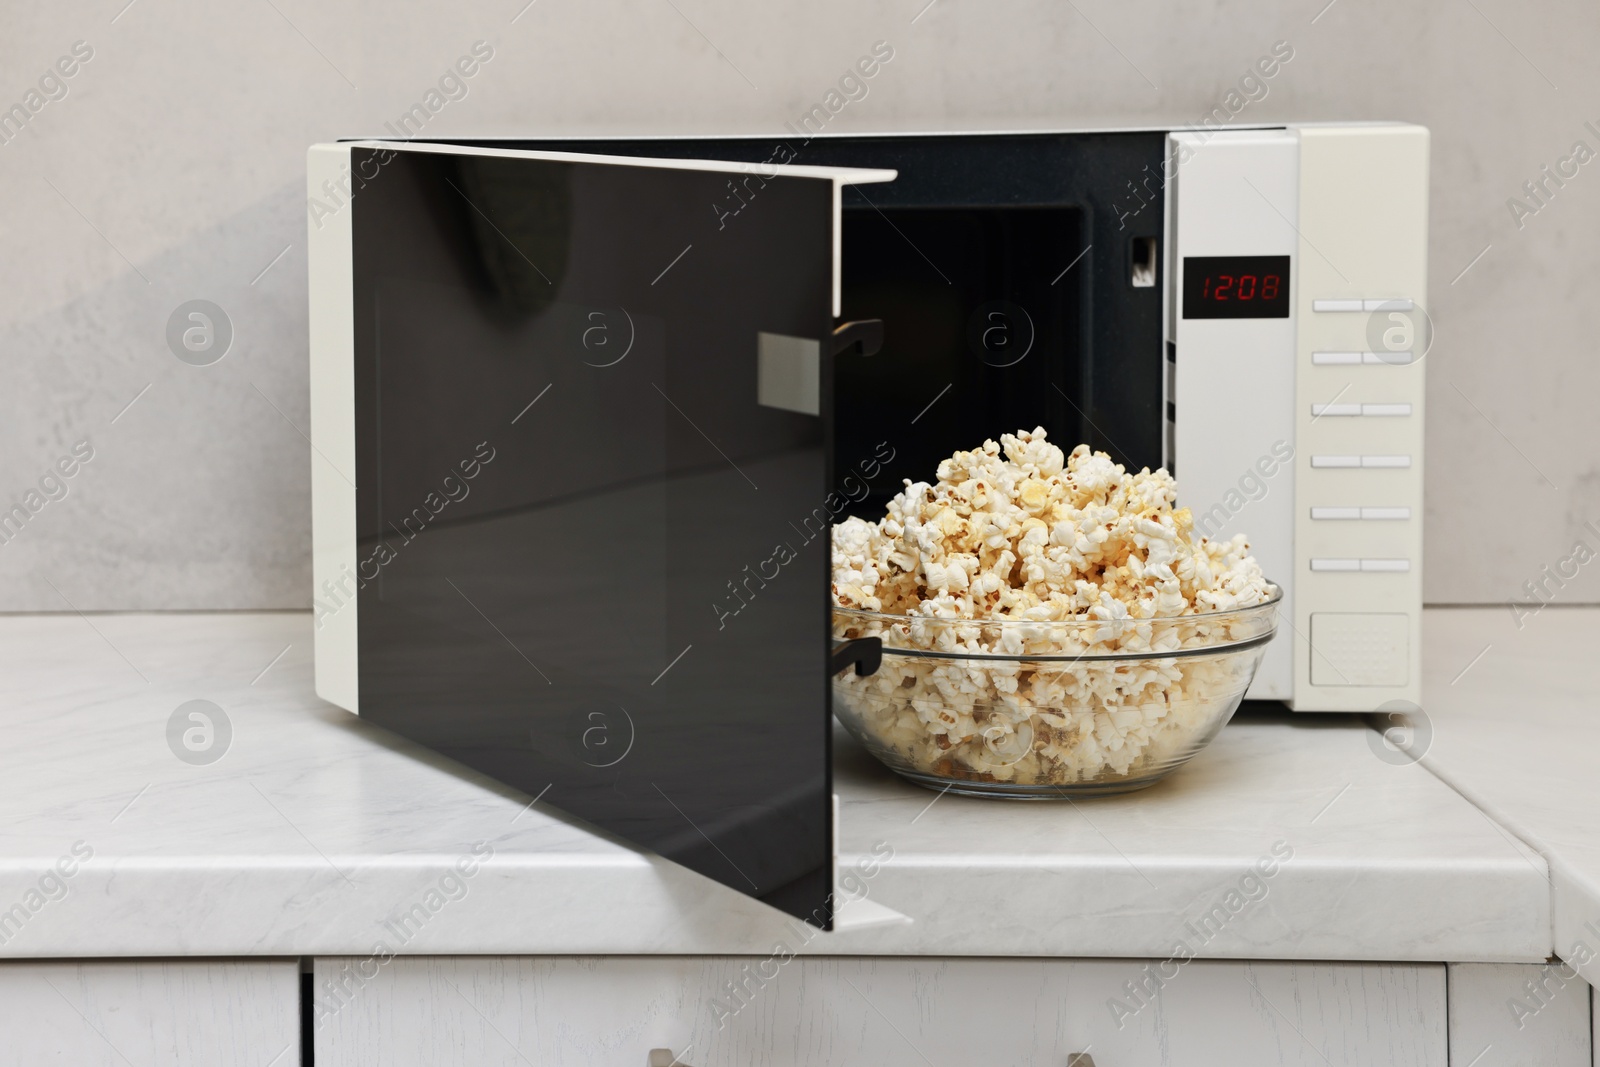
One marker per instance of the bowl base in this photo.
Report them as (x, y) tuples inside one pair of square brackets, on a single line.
[(1014, 791)]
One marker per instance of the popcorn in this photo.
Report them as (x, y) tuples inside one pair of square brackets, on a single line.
[(1021, 551)]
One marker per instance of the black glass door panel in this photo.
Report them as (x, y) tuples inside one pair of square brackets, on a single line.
[(592, 577)]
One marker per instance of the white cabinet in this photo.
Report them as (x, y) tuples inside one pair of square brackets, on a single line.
[(172, 1013), (833, 1012), (1519, 1015)]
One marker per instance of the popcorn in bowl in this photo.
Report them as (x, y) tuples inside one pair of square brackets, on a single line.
[(1050, 624)]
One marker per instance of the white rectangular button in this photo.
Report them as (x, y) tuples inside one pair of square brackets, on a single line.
[(1386, 514), (1335, 359), (1387, 304), (1336, 513), (1393, 359), (1386, 409), (1319, 410), (1385, 462), (1335, 305), (1386, 566), (1336, 564), (1336, 461)]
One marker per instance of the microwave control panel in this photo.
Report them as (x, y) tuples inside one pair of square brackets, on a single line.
[(1363, 335), (1297, 268)]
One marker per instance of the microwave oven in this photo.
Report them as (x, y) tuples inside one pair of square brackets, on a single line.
[(584, 411)]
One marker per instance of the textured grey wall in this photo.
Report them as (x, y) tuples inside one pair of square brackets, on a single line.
[(171, 170)]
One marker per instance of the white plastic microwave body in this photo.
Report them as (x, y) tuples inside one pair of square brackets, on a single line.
[(1291, 269)]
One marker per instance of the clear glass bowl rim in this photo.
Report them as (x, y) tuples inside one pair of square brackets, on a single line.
[(1077, 623)]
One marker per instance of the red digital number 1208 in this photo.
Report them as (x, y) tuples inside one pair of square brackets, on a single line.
[(1244, 287)]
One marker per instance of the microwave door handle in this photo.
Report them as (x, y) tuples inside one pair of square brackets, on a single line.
[(866, 653), (867, 334)]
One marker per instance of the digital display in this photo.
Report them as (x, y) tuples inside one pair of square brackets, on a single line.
[(1236, 287)]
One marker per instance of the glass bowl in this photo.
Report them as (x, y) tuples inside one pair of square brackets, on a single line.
[(1068, 708)]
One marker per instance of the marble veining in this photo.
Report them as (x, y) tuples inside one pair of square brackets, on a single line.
[(318, 834), (1512, 721)]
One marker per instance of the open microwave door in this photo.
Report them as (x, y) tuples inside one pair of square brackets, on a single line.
[(571, 421)]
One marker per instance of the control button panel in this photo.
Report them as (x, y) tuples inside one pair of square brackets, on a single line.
[(1347, 359), (1380, 303), (1360, 403), (1359, 648), (1370, 514), (1370, 566), (1353, 410), (1369, 462)]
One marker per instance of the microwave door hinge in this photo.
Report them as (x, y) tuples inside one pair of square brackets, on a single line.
[(867, 334)]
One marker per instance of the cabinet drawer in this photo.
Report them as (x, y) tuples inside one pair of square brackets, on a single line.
[(831, 1012), (204, 1013)]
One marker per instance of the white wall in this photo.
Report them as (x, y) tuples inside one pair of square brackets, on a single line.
[(180, 151)]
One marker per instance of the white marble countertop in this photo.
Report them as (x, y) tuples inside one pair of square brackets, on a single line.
[(316, 831), (1512, 720)]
